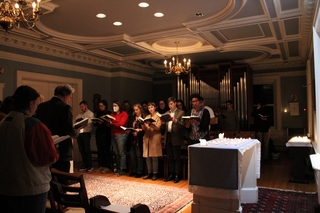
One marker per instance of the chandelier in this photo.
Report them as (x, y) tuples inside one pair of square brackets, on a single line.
[(11, 15), (175, 66)]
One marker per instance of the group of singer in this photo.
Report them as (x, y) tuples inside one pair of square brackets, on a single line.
[(141, 130)]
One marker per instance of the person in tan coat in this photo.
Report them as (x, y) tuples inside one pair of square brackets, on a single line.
[(152, 147)]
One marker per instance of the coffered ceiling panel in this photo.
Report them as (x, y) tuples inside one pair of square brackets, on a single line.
[(266, 34)]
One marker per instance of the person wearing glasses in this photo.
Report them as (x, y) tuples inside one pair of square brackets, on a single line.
[(199, 129)]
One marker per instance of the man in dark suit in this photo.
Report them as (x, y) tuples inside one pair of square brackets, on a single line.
[(173, 139), (56, 114)]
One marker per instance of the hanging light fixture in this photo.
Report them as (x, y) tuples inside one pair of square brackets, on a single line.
[(11, 15), (175, 66)]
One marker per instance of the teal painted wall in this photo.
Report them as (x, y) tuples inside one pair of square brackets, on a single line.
[(294, 85)]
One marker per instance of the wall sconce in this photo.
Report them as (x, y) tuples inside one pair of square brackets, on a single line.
[(285, 110)]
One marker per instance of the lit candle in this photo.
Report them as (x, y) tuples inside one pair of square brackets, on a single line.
[(203, 142), (165, 63)]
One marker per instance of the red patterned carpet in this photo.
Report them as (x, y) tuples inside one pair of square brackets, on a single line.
[(160, 199), (282, 201)]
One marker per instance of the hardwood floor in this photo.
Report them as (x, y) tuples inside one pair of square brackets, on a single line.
[(274, 174)]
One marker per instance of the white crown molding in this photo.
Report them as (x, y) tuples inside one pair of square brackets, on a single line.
[(55, 51), (73, 68)]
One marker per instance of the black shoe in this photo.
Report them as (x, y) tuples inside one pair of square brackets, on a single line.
[(176, 179), (154, 177), (138, 175), (171, 177), (132, 174), (149, 176)]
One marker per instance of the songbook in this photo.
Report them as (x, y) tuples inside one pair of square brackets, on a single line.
[(107, 117), (263, 116), (220, 116), (146, 119), (127, 128), (57, 139), (97, 119), (192, 117), (80, 124), (165, 117)]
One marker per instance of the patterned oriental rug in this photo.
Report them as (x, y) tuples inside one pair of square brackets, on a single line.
[(160, 199), (282, 201)]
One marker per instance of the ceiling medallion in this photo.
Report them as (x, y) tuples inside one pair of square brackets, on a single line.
[(175, 66), (11, 15)]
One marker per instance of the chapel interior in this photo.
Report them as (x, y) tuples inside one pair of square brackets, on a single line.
[(239, 50)]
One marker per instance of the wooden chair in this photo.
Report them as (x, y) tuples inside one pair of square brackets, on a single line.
[(69, 190), (65, 194)]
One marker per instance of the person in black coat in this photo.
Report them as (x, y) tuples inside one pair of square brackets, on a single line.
[(261, 126), (56, 114), (103, 139)]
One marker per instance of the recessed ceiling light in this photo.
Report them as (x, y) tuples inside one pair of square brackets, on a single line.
[(158, 15), (199, 14), (101, 15), (143, 4), (117, 23)]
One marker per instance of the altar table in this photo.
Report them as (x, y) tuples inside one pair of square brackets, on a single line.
[(223, 174), (299, 150)]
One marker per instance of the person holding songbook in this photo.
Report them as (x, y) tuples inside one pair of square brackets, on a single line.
[(136, 141), (152, 147), (198, 128), (103, 138), (262, 127), (84, 137), (26, 154), (119, 136), (173, 139)]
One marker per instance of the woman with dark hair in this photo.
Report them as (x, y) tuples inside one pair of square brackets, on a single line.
[(136, 142), (152, 147), (144, 105), (27, 151), (162, 108), (119, 136), (181, 105), (103, 139)]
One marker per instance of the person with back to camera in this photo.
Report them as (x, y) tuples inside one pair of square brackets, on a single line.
[(198, 129), (152, 147), (56, 114), (103, 139), (27, 151)]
